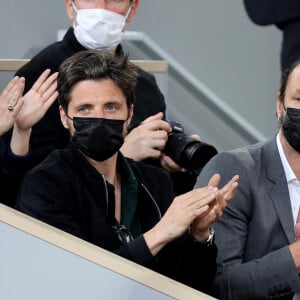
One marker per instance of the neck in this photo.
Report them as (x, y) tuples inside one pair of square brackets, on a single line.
[(108, 168)]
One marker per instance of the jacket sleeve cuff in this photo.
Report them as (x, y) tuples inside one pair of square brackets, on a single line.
[(140, 251)]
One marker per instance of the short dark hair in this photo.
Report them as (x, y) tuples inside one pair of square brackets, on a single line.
[(285, 78), (96, 65)]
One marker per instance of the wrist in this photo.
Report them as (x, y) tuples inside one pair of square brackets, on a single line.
[(19, 143), (205, 238)]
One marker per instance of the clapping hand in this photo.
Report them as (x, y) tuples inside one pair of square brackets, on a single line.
[(11, 103)]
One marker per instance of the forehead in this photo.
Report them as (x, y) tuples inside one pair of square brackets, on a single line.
[(294, 79), (100, 3), (96, 91)]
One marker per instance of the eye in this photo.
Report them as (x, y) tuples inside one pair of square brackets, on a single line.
[(111, 107), (83, 109)]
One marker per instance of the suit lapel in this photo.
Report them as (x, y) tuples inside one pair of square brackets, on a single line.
[(277, 185)]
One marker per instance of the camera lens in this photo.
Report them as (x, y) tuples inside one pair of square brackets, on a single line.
[(198, 154), (188, 152)]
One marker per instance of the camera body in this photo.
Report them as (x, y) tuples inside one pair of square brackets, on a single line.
[(186, 151)]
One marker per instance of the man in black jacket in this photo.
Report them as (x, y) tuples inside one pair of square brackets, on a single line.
[(97, 25), (285, 14), (90, 190)]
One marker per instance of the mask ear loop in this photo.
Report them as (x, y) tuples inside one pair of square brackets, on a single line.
[(128, 115), (72, 119), (75, 11), (128, 13)]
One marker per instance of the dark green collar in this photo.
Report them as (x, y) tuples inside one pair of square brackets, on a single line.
[(129, 196)]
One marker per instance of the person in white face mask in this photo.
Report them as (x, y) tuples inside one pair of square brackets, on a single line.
[(98, 28), (97, 24)]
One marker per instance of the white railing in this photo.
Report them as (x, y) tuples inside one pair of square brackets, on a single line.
[(201, 91)]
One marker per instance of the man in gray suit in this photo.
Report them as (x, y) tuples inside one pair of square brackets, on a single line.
[(258, 253)]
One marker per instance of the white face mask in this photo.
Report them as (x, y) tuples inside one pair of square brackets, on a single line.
[(99, 28)]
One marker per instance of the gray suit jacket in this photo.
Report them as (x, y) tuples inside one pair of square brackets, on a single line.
[(253, 234)]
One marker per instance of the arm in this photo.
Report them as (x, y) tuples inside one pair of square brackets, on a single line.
[(270, 12), (247, 269)]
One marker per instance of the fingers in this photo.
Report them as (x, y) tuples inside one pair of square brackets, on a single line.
[(50, 100), (229, 189), (13, 91), (36, 86), (170, 165), (10, 85), (200, 197), (158, 116), (156, 125), (49, 87), (196, 137), (214, 180)]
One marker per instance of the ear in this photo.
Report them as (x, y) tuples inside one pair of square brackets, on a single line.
[(64, 118), (70, 10), (279, 108), (130, 114), (134, 6)]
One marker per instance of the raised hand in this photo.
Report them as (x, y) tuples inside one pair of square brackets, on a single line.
[(37, 100), (10, 103)]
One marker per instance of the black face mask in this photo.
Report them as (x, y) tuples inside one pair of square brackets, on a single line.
[(98, 138), (291, 127)]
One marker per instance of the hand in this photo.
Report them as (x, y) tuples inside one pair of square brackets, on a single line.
[(11, 96), (202, 224), (169, 164), (179, 216), (148, 139), (37, 101)]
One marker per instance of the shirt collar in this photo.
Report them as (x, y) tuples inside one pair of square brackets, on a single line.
[(289, 173)]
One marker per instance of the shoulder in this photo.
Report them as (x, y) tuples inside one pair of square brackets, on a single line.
[(50, 57), (147, 81), (241, 161), (53, 165)]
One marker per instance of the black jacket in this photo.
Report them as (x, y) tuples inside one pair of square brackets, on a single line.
[(49, 134), (66, 191), (285, 14)]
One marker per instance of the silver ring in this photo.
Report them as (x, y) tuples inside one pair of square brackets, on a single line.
[(10, 107)]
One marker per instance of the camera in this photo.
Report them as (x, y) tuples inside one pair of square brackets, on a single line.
[(186, 151)]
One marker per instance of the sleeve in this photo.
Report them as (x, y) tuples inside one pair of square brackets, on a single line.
[(14, 165), (239, 277), (189, 262), (271, 12)]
